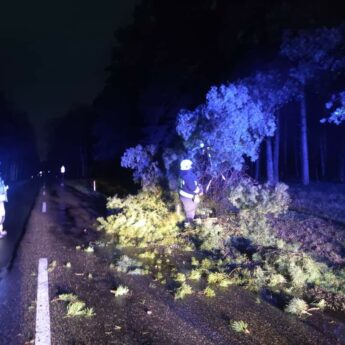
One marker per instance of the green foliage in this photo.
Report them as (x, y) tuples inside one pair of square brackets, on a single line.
[(131, 266), (145, 169), (67, 297), (121, 291), (239, 326), (207, 264), (145, 220), (337, 102), (75, 306), (78, 308), (332, 282), (147, 255), (180, 277), (259, 277), (195, 274), (298, 276), (210, 234), (226, 282), (276, 280), (297, 306), (231, 124), (322, 304), (141, 220), (183, 291), (209, 292), (216, 278), (195, 262), (298, 268), (256, 203)]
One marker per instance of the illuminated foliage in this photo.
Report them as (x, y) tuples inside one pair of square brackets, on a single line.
[(240, 326), (209, 292), (211, 235), (297, 306), (230, 125), (272, 89), (141, 160), (183, 291), (75, 307), (337, 105), (141, 220), (121, 290), (256, 203)]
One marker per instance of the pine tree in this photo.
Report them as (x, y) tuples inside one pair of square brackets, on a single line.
[(311, 54), (230, 125)]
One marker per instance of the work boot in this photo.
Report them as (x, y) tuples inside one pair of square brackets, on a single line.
[(187, 224), (190, 223)]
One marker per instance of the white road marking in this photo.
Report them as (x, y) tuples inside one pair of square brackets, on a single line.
[(44, 192), (43, 336), (44, 207)]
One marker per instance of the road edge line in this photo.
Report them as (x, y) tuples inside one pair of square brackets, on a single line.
[(43, 336)]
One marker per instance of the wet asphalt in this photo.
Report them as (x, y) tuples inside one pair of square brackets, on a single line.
[(21, 198), (149, 314)]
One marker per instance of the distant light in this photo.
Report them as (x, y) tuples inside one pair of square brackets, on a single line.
[(41, 173), (63, 169)]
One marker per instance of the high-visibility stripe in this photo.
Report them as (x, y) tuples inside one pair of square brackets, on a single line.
[(185, 194), (43, 336)]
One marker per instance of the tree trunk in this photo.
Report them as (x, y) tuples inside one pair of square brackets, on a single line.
[(285, 147), (13, 171), (276, 152), (342, 162), (304, 142), (297, 158), (83, 161), (323, 149), (257, 168), (269, 162)]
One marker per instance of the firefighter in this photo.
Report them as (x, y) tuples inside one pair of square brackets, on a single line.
[(189, 189)]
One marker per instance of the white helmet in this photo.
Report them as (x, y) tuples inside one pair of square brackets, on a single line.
[(186, 164)]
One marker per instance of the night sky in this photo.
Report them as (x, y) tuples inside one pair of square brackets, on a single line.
[(54, 54), (92, 91)]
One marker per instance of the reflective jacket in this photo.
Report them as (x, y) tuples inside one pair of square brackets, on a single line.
[(3, 191), (188, 184)]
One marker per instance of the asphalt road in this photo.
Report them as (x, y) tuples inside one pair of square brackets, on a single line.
[(21, 197), (63, 220)]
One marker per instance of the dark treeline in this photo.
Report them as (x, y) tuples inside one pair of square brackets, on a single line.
[(71, 140), (18, 154), (169, 57)]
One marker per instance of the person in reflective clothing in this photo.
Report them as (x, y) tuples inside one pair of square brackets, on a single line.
[(189, 189), (3, 199)]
